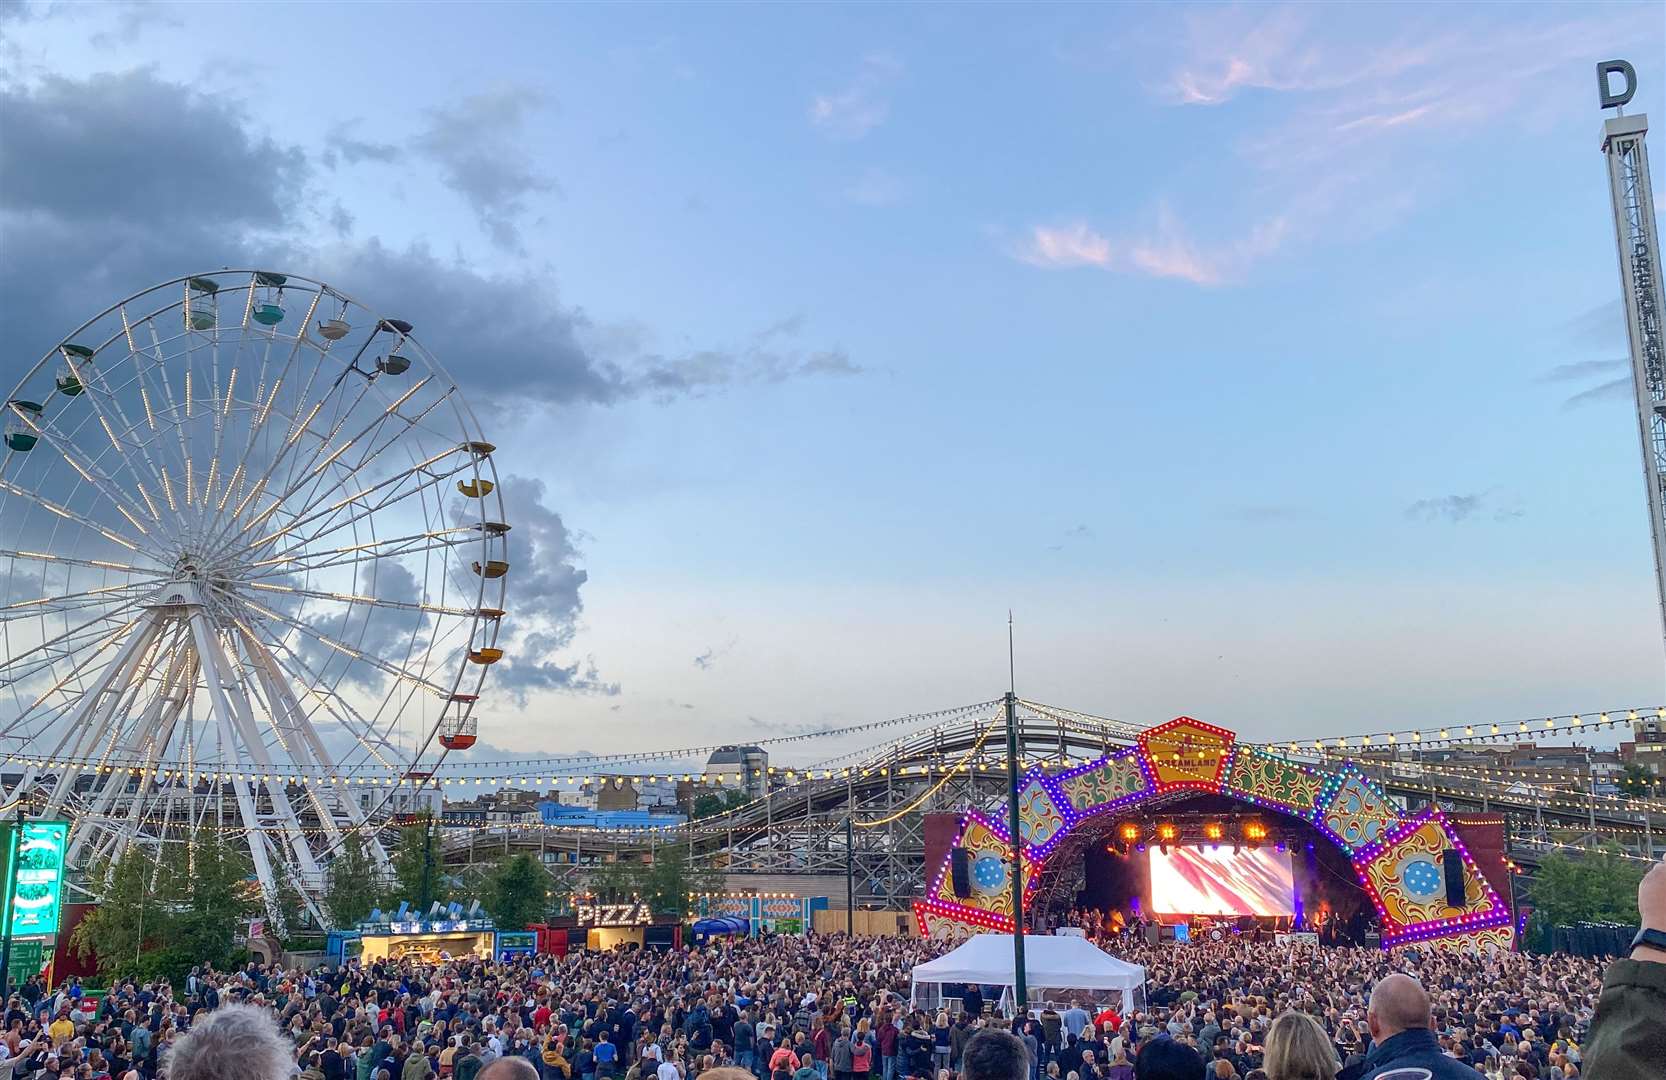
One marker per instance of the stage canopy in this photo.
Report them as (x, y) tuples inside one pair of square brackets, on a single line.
[(1055, 969)]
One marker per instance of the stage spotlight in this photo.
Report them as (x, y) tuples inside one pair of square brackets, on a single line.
[(1129, 831), (1140, 846), (1255, 832), (1310, 845), (1281, 845), (1166, 831), (1213, 830)]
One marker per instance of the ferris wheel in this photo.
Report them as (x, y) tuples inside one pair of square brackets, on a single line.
[(252, 572)]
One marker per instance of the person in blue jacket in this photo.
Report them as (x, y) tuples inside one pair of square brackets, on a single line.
[(1405, 1045)]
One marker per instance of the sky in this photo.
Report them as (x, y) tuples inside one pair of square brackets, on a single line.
[(1265, 361)]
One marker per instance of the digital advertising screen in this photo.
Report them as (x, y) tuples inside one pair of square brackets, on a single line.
[(1219, 881)]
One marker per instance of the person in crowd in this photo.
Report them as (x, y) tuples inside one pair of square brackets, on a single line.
[(1628, 1032), (1297, 1048), (1167, 1058), (234, 1041), (1399, 1021), (993, 1054)]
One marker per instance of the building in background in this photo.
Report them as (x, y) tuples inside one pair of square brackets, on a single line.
[(1648, 733), (749, 763)]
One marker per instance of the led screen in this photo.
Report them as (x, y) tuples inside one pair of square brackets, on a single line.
[(1219, 881)]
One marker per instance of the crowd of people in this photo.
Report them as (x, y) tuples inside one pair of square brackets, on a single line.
[(837, 1008)]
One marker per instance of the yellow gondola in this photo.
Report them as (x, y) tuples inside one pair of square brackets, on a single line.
[(494, 568), (490, 612), (475, 489), (480, 448), (484, 657)]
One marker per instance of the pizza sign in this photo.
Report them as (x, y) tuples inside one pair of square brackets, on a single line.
[(635, 913)]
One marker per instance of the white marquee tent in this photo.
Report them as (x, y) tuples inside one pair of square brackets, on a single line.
[(1055, 969)]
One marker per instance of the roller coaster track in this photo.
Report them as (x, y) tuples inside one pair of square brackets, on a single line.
[(798, 831)]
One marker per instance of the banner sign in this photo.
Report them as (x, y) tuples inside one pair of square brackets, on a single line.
[(37, 876)]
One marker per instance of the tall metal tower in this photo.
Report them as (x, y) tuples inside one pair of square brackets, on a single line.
[(1640, 285)]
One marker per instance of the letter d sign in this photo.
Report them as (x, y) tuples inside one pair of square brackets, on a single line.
[(1607, 68)]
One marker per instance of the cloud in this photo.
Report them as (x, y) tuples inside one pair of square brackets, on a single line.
[(547, 604), (861, 106), (1460, 508), (341, 145), (770, 355), (1166, 250), (713, 653), (1343, 126), (1065, 247), (484, 156), (1453, 508), (1620, 389), (117, 148), (91, 211), (1582, 369)]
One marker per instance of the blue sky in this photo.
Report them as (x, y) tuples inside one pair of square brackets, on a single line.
[(1261, 358)]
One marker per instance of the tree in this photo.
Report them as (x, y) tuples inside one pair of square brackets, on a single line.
[(616, 882), (114, 931), (416, 864), (667, 882), (710, 803), (1638, 780), (351, 889), (1597, 886), (516, 892), (211, 893), (162, 914)]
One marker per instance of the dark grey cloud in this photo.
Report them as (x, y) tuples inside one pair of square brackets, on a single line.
[(1460, 508), (112, 183), (480, 147), (545, 604), (112, 149)]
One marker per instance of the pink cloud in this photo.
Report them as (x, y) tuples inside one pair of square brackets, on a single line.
[(1065, 247), (1167, 250)]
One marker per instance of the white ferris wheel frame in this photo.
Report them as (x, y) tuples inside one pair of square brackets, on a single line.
[(192, 621)]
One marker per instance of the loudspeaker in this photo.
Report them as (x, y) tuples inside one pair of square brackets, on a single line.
[(960, 871), (1453, 862)]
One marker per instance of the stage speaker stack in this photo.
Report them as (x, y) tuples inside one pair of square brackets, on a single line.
[(1453, 861), (1154, 934), (960, 871)]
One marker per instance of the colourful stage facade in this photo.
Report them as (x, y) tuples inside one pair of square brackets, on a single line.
[(1396, 857)]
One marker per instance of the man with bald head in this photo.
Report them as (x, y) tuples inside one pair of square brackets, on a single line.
[(509, 1068), (1405, 1046)]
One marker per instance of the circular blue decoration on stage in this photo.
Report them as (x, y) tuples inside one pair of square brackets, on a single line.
[(1424, 880), (989, 873)]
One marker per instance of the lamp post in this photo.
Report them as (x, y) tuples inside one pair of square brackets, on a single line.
[(850, 875), (1020, 993), (13, 829)]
